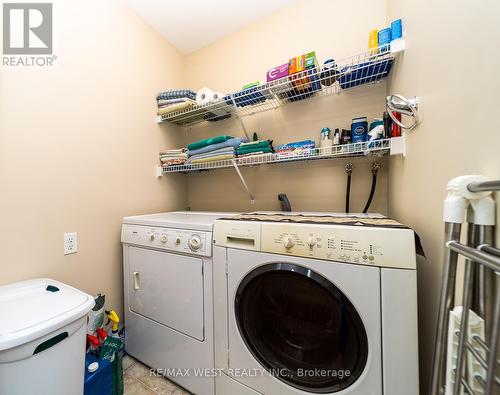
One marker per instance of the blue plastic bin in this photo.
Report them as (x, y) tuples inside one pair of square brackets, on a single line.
[(365, 73)]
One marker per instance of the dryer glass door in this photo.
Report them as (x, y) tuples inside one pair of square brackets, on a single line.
[(301, 327)]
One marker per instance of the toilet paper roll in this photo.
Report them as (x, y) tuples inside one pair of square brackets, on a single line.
[(217, 96), (204, 96)]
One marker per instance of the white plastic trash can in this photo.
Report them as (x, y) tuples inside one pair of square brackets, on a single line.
[(42, 338)]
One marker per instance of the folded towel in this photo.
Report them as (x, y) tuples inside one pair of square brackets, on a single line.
[(173, 151), (167, 102), (175, 107), (234, 142), (241, 152), (251, 154), (256, 142), (220, 151), (210, 141), (174, 161), (255, 146), (176, 94), (164, 158), (213, 158)]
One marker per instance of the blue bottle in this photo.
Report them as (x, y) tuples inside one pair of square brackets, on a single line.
[(359, 129), (396, 29)]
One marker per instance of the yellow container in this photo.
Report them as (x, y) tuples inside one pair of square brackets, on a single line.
[(373, 40)]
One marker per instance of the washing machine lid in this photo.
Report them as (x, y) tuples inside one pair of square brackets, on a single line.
[(192, 220), (31, 309)]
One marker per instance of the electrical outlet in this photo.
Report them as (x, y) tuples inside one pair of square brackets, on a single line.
[(70, 243)]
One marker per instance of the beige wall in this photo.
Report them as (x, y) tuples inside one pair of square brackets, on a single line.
[(78, 147), (451, 65), (335, 29)]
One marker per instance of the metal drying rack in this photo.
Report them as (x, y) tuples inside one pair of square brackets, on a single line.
[(482, 282)]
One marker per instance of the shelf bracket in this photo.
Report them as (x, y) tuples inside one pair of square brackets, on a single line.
[(398, 145), (242, 179), (239, 118)]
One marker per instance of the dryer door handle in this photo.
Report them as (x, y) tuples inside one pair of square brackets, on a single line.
[(137, 281)]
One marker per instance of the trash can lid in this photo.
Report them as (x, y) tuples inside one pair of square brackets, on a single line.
[(33, 308)]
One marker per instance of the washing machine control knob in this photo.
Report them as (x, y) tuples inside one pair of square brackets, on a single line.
[(288, 241), (164, 238), (178, 240), (195, 243), (311, 242), (151, 236)]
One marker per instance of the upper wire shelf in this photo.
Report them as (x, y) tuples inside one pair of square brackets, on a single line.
[(392, 146), (366, 67)]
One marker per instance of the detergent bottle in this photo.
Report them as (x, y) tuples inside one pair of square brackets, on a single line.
[(111, 350)]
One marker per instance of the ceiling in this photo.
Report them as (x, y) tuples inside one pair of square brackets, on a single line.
[(193, 24)]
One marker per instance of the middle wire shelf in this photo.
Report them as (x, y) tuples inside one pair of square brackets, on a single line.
[(390, 146)]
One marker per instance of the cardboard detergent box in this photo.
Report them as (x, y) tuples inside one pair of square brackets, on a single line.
[(277, 72), (304, 67)]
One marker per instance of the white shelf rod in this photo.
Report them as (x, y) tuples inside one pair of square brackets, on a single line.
[(242, 179)]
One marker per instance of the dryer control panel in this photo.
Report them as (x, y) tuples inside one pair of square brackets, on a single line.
[(362, 245), (175, 240)]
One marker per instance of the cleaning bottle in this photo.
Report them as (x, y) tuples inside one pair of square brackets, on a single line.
[(111, 350), (113, 317)]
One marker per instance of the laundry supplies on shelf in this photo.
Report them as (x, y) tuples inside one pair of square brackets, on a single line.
[(255, 148), (302, 77), (173, 157), (296, 149)]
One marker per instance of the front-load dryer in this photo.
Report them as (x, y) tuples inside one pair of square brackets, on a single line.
[(167, 273), (315, 304)]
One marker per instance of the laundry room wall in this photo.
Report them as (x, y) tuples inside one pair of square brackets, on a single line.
[(458, 102), (335, 29), (79, 146)]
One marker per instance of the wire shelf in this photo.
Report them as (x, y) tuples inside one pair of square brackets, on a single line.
[(367, 148), (367, 67)]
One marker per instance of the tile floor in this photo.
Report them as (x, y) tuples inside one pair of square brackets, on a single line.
[(138, 381)]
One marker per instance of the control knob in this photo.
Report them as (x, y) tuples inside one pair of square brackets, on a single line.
[(164, 238), (288, 241), (195, 243), (178, 240), (311, 242), (151, 237)]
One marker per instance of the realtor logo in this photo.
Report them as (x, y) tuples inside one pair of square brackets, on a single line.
[(27, 28), (27, 35)]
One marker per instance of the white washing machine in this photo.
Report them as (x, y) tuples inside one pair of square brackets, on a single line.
[(167, 265), (315, 305)]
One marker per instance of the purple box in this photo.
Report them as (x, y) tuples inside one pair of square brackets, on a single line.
[(277, 72)]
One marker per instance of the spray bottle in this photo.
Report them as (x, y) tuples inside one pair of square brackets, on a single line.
[(113, 317)]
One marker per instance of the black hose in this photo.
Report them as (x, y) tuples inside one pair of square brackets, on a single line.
[(348, 192), (372, 192), (285, 203)]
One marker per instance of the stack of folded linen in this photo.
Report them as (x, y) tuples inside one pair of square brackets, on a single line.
[(296, 149), (173, 157), (174, 100), (213, 149), (258, 147)]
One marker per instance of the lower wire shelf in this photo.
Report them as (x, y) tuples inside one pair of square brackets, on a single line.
[(390, 146)]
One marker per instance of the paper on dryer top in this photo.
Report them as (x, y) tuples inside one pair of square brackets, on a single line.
[(193, 220)]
